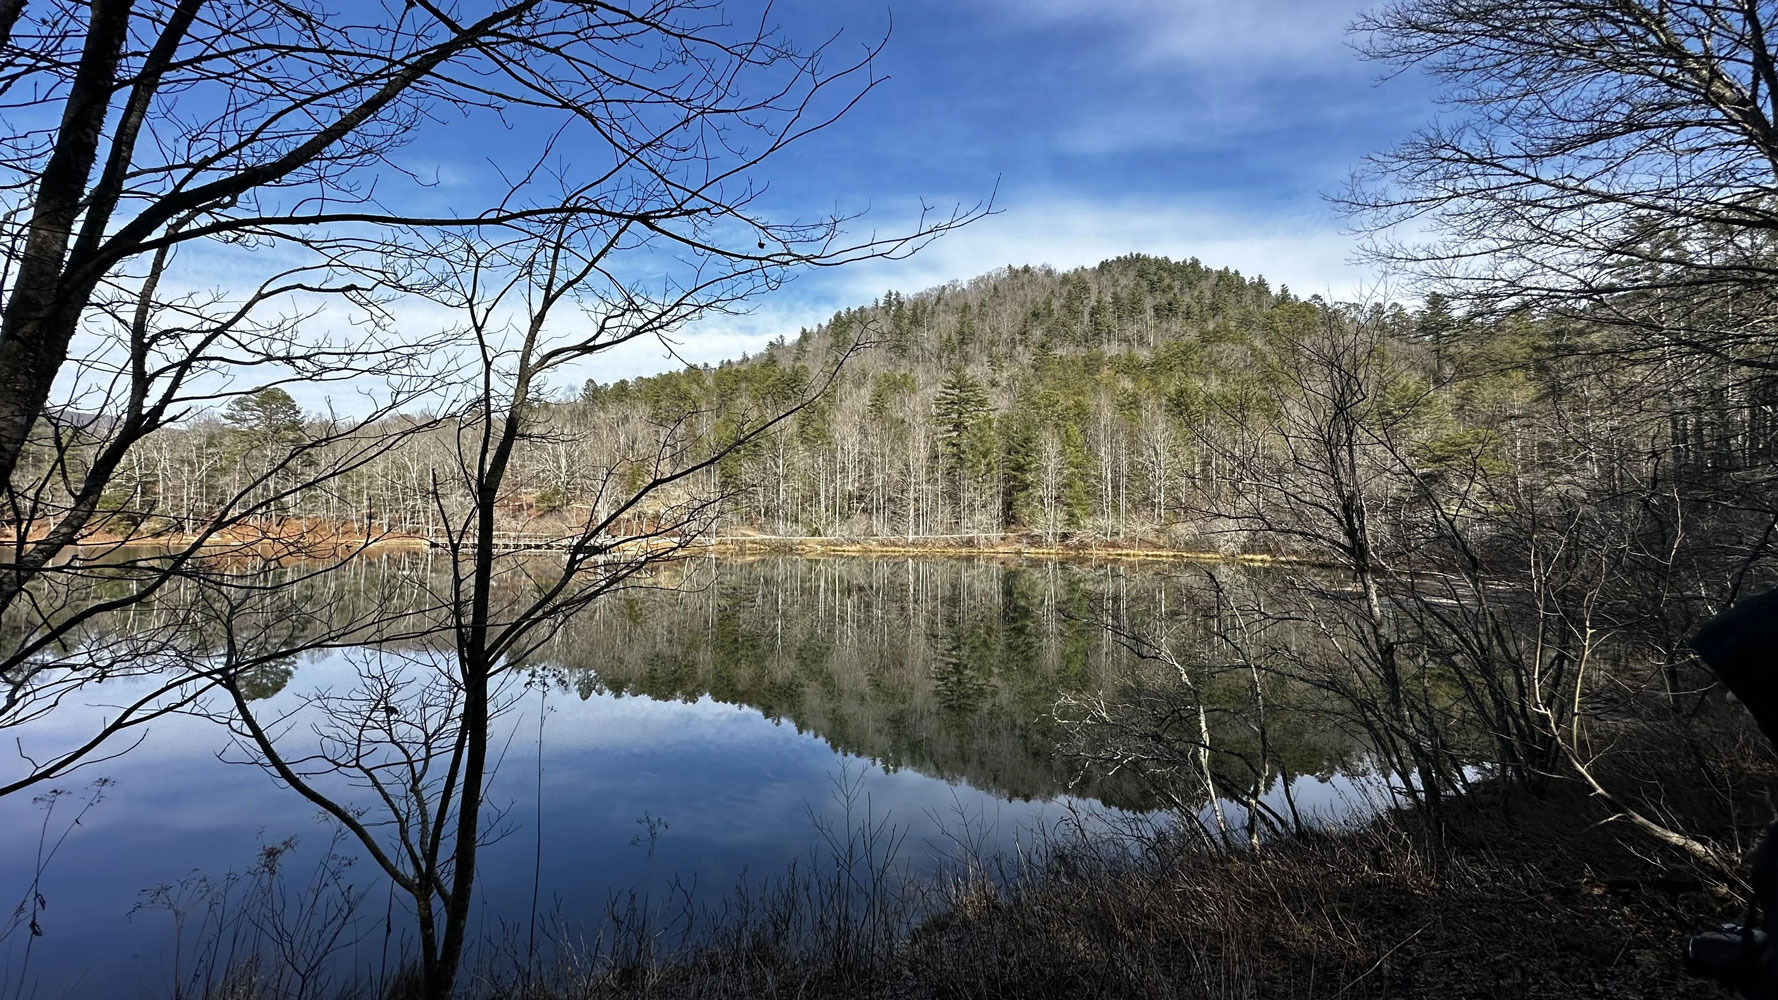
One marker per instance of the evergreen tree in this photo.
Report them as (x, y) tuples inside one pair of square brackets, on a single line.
[(966, 432), (1435, 323), (268, 415)]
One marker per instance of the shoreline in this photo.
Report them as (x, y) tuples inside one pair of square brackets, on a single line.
[(332, 540), (1005, 546), (1532, 896)]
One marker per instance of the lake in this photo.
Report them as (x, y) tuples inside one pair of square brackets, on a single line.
[(703, 729)]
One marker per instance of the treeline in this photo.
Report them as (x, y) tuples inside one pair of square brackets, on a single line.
[(1027, 399), (1132, 400), (1127, 399)]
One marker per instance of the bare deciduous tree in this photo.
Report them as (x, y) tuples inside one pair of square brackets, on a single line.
[(151, 146), (1615, 161), (545, 290)]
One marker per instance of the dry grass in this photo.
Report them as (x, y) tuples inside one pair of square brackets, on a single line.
[(1534, 896), (1525, 902)]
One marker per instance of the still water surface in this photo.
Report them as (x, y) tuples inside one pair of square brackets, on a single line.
[(723, 718)]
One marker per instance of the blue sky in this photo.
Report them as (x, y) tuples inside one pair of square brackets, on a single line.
[(1178, 127), (1185, 128)]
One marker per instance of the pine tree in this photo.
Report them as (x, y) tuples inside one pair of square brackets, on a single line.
[(966, 433), (269, 415), (1435, 324)]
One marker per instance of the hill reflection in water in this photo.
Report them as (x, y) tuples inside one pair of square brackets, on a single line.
[(726, 701)]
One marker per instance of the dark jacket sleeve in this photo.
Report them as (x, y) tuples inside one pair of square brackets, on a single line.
[(1741, 646)]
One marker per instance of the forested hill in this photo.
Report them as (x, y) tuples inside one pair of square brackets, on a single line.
[(1025, 400), (1140, 400)]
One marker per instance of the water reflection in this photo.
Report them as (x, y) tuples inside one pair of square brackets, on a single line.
[(722, 700), (949, 668)]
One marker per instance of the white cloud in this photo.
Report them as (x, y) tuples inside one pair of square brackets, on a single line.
[(1195, 73), (1305, 250), (1249, 38), (707, 341)]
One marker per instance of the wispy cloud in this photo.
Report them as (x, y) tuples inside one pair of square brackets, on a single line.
[(1304, 249), (708, 341), (1171, 74), (1251, 38), (1307, 250)]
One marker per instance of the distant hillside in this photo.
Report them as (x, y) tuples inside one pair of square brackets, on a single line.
[(1027, 399), (1110, 402)]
